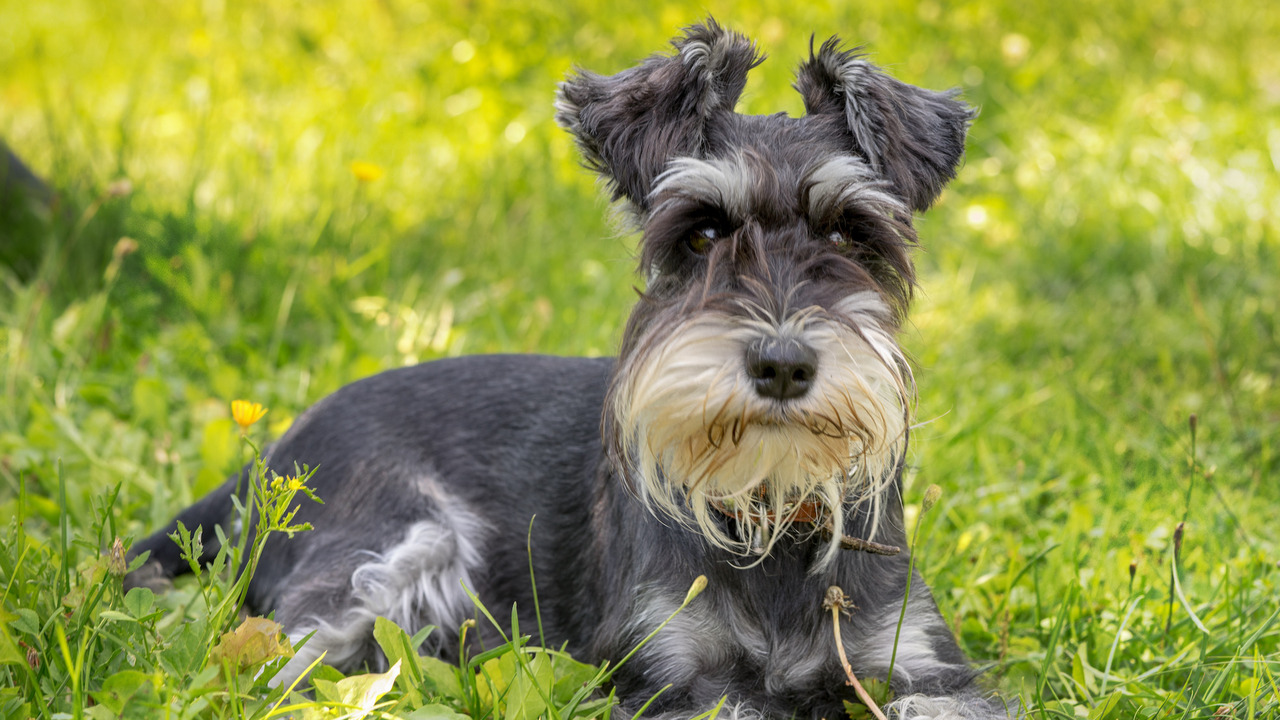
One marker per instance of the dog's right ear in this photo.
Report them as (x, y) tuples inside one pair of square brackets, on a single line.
[(629, 125)]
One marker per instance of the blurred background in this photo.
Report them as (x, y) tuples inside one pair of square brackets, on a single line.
[(270, 199)]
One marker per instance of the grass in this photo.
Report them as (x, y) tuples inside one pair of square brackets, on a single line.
[(1104, 267)]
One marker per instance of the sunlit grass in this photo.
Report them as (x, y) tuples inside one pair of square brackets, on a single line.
[(269, 200)]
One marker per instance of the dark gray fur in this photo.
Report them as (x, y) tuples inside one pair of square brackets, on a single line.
[(914, 136), (628, 125), (507, 438), (18, 182)]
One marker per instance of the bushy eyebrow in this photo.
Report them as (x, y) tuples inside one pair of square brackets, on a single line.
[(738, 185), (846, 182), (728, 183)]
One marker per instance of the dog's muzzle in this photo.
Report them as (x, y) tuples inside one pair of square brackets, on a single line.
[(813, 407)]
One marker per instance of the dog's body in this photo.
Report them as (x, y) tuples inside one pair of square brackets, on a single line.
[(756, 416)]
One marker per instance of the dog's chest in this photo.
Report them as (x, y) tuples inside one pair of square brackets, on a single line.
[(722, 642)]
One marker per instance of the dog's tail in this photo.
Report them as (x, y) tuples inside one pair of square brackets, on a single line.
[(166, 560)]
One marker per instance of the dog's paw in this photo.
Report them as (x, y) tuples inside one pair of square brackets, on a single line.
[(151, 576), (925, 707)]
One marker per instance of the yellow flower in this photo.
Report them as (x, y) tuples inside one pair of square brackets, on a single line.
[(366, 171), (246, 413)]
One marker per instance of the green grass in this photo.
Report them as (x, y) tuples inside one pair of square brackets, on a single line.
[(1106, 265)]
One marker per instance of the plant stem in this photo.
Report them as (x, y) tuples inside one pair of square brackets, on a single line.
[(848, 670)]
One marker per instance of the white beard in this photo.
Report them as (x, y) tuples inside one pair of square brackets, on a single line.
[(699, 435)]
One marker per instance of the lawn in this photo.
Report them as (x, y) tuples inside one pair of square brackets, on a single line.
[(267, 200)]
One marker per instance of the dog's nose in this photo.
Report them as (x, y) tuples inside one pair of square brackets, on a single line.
[(781, 368)]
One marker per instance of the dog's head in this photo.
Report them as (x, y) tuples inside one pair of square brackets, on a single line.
[(760, 366)]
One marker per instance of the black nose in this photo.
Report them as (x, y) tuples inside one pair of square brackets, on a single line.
[(781, 368)]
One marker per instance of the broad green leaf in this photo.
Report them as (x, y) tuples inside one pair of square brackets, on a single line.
[(326, 690), (495, 679), (1077, 670), (206, 677), (101, 712), (185, 648), (9, 653), (440, 678), (364, 691), (326, 672), (532, 682), (27, 621), (139, 601), (571, 676), (878, 689), (880, 693), (395, 643), (119, 688), (116, 616)]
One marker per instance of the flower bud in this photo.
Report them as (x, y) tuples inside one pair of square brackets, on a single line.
[(931, 496), (699, 584)]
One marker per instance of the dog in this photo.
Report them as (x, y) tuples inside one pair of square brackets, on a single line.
[(752, 430)]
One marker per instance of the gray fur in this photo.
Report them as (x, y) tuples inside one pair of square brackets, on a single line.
[(630, 124), (913, 136), (19, 183), (755, 227)]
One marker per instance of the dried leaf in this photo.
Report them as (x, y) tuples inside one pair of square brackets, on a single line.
[(256, 641)]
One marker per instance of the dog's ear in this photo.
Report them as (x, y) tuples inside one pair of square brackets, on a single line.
[(630, 125), (912, 136)]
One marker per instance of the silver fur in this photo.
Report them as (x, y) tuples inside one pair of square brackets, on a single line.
[(417, 582)]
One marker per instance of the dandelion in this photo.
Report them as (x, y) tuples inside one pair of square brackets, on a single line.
[(246, 413), (33, 657), (835, 601), (366, 171)]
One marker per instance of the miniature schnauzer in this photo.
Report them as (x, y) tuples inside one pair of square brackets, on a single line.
[(753, 428)]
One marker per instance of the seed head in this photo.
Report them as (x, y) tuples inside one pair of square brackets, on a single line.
[(931, 496), (116, 564)]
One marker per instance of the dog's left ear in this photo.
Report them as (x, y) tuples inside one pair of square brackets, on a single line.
[(912, 136), (629, 125)]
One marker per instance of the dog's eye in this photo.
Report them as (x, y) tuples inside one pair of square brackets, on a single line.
[(700, 240), (839, 238)]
